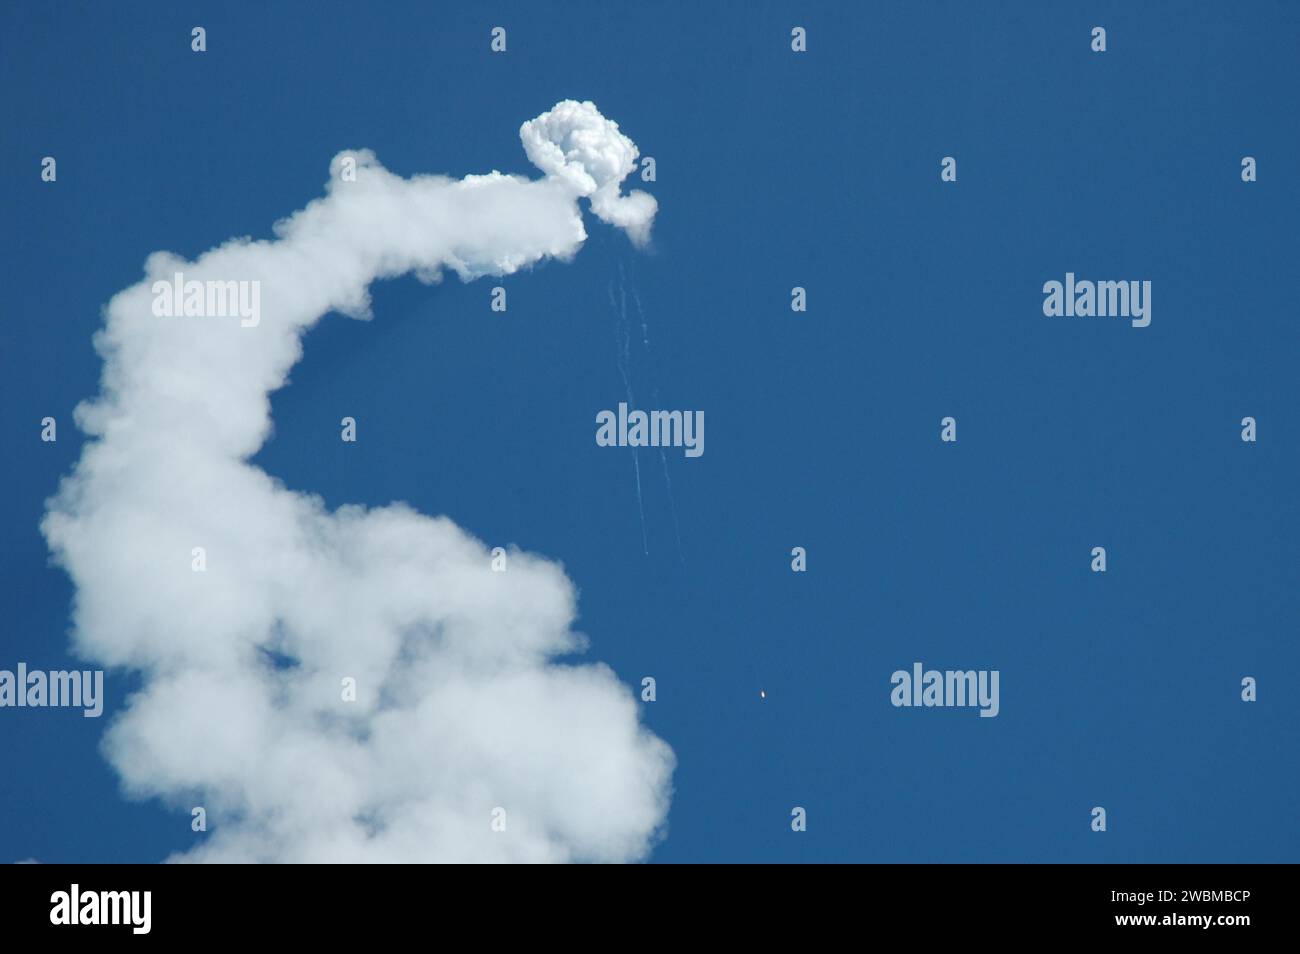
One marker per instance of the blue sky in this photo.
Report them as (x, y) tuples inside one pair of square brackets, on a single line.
[(774, 170)]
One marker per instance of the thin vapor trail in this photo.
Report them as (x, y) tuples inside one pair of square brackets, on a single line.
[(622, 339), (663, 456)]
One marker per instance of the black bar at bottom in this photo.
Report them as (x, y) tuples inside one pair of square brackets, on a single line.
[(214, 903)]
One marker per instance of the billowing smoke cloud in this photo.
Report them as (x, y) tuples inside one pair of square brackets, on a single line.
[(575, 143), (462, 704)]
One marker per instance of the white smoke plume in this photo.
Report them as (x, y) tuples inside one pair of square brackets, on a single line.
[(463, 704), (575, 143)]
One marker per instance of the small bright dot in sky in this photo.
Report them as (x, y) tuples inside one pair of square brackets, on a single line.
[(762, 694)]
